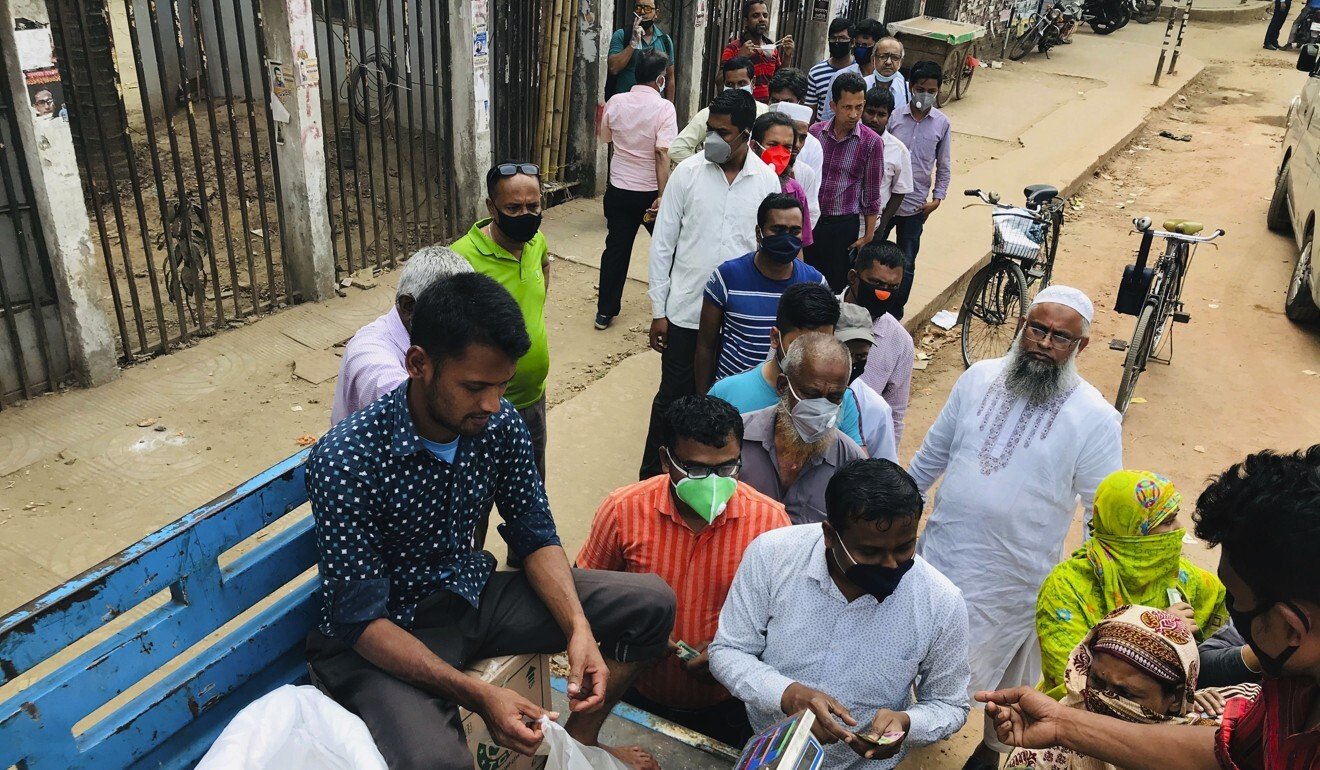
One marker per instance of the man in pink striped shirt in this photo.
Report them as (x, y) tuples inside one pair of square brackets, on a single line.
[(640, 123), (373, 359)]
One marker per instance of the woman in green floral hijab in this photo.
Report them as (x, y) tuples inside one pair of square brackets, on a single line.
[(1134, 556)]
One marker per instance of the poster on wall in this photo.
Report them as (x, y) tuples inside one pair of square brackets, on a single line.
[(36, 57), (700, 17), (820, 10)]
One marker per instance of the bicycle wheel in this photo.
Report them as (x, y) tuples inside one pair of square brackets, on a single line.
[(991, 310), (1050, 248), (1023, 45), (968, 70), (1137, 354)]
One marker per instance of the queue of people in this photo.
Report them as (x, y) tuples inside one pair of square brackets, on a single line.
[(770, 558)]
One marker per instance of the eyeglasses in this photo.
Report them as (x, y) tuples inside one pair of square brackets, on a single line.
[(728, 471), (1056, 340), (643, 8), (890, 57), (513, 169)]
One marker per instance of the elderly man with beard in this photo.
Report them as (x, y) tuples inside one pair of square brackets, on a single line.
[(790, 450), (1020, 439)]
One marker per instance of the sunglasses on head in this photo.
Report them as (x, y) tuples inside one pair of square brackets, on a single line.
[(512, 169)]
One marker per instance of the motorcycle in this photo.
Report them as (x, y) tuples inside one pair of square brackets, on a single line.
[(1106, 16), (1144, 11), (1306, 29), (1042, 30)]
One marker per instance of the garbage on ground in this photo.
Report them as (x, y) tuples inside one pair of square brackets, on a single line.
[(945, 320)]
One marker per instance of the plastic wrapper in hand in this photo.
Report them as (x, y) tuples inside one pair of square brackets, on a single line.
[(564, 753), (295, 728)]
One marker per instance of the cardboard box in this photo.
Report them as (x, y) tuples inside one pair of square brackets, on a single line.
[(527, 675)]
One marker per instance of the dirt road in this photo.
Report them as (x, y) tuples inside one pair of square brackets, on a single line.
[(1236, 383)]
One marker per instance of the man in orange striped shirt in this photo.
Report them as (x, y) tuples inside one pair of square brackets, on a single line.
[(689, 525)]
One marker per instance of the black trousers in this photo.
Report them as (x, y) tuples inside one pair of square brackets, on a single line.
[(630, 614), (676, 380), (624, 213), (908, 239), (1280, 16), (828, 251)]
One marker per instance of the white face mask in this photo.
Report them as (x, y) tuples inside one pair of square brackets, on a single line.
[(660, 84), (747, 88), (813, 418)]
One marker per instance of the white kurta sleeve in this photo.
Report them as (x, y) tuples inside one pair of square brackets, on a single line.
[(942, 706), (932, 459), (1100, 456), (735, 655)]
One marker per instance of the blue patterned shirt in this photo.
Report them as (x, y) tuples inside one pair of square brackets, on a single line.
[(395, 524)]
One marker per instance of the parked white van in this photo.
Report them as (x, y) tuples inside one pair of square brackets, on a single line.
[(1297, 190)]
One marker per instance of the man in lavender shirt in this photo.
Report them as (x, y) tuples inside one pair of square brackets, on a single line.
[(926, 132), (873, 283), (373, 359)]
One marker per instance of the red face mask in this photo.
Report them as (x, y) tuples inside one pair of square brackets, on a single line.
[(777, 157)]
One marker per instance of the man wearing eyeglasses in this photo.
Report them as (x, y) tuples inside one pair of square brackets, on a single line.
[(509, 247), (626, 44), (1020, 439), (689, 525)]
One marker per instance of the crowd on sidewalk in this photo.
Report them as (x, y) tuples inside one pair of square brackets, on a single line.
[(769, 559)]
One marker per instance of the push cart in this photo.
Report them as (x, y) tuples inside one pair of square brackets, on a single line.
[(950, 44)]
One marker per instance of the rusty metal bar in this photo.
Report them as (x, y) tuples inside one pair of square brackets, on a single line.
[(258, 172), (75, 116), (236, 152), (259, 24), (422, 87), (204, 78), (203, 203), (361, 72), (409, 91), (333, 140), (181, 303), (398, 96)]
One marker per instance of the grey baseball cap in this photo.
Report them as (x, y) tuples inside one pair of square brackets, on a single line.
[(854, 324)]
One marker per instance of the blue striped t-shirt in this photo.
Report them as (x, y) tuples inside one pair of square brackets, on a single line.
[(749, 301)]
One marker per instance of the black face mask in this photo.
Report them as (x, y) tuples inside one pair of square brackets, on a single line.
[(646, 24), (840, 48), (866, 297), (1272, 665), (521, 228), (880, 582), (857, 370)]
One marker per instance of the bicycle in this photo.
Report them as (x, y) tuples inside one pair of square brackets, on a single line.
[(1154, 296), (1026, 240)]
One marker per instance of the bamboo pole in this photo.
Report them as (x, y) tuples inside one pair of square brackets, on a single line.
[(566, 86), (550, 51)]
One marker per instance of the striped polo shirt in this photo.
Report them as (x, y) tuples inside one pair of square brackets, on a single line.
[(749, 301), (638, 529)]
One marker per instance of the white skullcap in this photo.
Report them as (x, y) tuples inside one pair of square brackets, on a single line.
[(1068, 297), (798, 112)]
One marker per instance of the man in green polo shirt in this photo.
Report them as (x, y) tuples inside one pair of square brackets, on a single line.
[(625, 43), (509, 247)]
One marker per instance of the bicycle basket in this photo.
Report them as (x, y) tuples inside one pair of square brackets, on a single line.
[(1018, 233)]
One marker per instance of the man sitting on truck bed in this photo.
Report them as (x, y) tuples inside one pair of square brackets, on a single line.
[(398, 490)]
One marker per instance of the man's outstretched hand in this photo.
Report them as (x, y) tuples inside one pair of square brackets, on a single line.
[(1024, 716)]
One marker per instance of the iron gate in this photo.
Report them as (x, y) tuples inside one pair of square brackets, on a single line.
[(535, 47), (795, 19), (175, 152), (725, 21), (388, 114), (33, 357)]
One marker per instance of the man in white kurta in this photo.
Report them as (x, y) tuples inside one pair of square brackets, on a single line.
[(1020, 439)]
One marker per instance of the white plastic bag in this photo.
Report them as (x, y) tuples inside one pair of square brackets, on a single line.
[(564, 753), (294, 728)]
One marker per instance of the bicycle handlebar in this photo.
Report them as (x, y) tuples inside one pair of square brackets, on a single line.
[(1144, 225)]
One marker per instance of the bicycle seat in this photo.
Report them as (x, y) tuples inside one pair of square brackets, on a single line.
[(1040, 193), (1183, 226)]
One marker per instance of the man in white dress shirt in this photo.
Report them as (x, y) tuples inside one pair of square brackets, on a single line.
[(1020, 439), (707, 216), (843, 618)]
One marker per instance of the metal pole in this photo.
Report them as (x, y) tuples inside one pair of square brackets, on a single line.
[(1177, 47), (1168, 35)]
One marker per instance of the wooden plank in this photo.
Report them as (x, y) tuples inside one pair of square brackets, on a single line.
[(48, 624)]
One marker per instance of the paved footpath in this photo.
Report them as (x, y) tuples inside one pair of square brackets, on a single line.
[(87, 472)]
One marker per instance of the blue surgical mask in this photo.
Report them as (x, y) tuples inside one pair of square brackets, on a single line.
[(862, 53), (883, 78)]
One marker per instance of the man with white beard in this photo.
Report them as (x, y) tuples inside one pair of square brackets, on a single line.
[(1019, 440)]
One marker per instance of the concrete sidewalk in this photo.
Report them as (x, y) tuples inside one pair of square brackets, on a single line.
[(1041, 120)]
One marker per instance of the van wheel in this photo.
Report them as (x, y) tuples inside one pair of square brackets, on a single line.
[(1299, 305), (1277, 218)]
